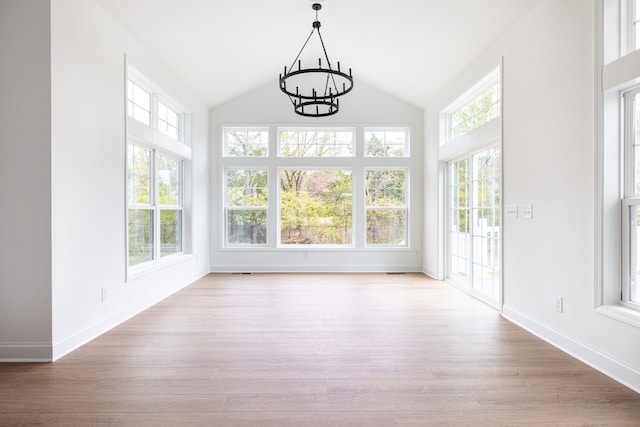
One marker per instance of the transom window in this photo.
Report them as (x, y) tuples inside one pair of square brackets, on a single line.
[(386, 142), (480, 105), (245, 142), (147, 106), (316, 143), (168, 121), (630, 33), (138, 103)]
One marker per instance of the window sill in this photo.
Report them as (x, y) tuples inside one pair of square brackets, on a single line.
[(621, 313), (141, 270), (311, 248)]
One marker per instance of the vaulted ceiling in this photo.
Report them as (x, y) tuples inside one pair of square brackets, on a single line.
[(408, 48)]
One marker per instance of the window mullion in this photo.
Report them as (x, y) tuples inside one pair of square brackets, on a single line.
[(155, 203)]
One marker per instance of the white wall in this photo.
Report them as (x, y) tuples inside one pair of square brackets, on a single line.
[(548, 161), (364, 106), (25, 191), (88, 176)]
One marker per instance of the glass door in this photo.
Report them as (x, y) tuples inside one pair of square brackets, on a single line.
[(474, 224)]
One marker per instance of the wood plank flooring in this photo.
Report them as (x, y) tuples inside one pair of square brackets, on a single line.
[(315, 350)]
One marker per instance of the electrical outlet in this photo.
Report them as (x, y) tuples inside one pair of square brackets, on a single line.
[(559, 304), (104, 297)]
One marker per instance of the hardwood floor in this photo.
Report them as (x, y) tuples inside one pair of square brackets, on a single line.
[(315, 350)]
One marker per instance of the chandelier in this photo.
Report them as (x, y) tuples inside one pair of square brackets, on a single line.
[(315, 92)]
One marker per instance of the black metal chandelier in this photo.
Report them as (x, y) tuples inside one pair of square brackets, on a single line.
[(315, 92)]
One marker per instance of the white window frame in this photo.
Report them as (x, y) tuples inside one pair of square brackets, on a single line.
[(630, 253), (247, 129), (158, 96), (274, 162), (227, 207), (158, 143), (135, 82), (617, 71), (628, 26), (407, 139), (317, 129), (279, 209), (467, 98), (404, 208), (156, 206)]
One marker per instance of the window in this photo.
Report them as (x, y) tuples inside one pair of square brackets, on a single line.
[(153, 218), (630, 21), (631, 200), (170, 204), (138, 103), (246, 142), (168, 121), (146, 105), (618, 156), (480, 105), (156, 160), (315, 143), (140, 203), (246, 204), (618, 190), (314, 187), (386, 206), (386, 142), (316, 207)]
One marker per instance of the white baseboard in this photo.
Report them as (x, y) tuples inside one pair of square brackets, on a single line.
[(70, 343), (315, 269), (619, 371), (432, 274)]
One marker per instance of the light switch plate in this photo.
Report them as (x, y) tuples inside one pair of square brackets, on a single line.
[(527, 211), (511, 211)]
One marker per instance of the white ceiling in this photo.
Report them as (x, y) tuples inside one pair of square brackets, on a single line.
[(408, 48)]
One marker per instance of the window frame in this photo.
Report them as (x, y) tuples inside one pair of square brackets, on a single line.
[(157, 96), (404, 208), (247, 129), (280, 244), (616, 73), (156, 206), (466, 99), (150, 138), (356, 162), (227, 207), (317, 129), (385, 130), (629, 253)]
